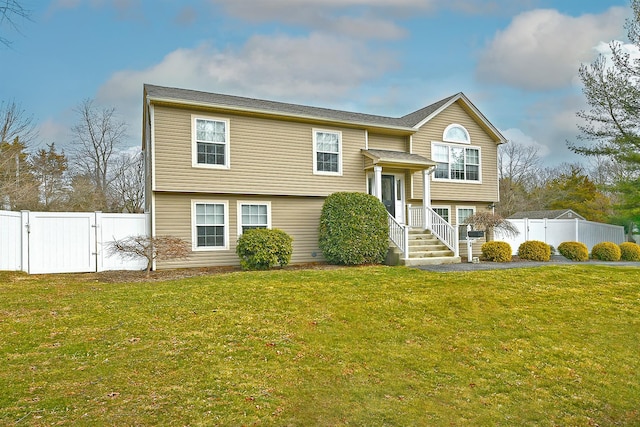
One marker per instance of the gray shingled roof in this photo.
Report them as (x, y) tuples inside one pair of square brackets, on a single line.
[(400, 157), (548, 214), (234, 102)]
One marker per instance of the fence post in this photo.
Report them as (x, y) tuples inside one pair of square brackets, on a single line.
[(24, 241), (577, 228), (98, 238)]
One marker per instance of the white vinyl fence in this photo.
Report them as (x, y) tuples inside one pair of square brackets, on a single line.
[(66, 242), (556, 231)]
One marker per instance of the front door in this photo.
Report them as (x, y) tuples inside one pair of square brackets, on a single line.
[(389, 193)]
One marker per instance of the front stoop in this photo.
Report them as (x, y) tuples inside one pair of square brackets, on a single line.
[(424, 249)]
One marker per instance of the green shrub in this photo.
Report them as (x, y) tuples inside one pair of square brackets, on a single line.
[(534, 250), (629, 251), (354, 229), (261, 248), (575, 251), (606, 251), (496, 251)]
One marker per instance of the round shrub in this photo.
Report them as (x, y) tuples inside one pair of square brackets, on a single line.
[(354, 229), (606, 251), (534, 250), (261, 248), (629, 251), (575, 251), (496, 251)]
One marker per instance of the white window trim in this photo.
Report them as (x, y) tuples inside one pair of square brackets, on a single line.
[(458, 223), (460, 181), (249, 202), (456, 125), (448, 207), (315, 152), (194, 230), (194, 142)]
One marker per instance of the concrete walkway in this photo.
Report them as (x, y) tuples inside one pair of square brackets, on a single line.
[(486, 265)]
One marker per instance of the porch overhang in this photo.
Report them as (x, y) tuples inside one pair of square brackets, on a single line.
[(396, 160)]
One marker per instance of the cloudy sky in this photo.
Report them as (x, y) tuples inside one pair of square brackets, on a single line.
[(517, 60)]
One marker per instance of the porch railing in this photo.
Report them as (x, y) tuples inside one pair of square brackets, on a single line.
[(399, 235), (440, 228)]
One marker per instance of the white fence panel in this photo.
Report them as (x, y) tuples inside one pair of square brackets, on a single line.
[(66, 242), (556, 231), (10, 241), (560, 230), (593, 233), (115, 227), (62, 242)]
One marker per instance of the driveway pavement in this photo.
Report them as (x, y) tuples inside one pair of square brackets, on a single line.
[(485, 265)]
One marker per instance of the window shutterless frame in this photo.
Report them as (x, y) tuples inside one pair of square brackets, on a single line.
[(253, 214), (209, 225), (210, 142), (327, 152)]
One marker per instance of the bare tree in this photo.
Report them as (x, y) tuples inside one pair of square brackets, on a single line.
[(489, 222), (127, 186), (96, 136), (10, 11), (14, 123), (518, 166), (150, 248)]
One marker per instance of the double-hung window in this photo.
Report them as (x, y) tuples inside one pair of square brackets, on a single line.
[(327, 152), (443, 212), (210, 228), (253, 215), (456, 163), (463, 214), (210, 142)]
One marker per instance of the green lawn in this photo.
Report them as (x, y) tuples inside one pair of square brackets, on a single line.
[(555, 345)]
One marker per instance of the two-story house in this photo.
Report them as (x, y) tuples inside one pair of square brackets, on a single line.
[(219, 164)]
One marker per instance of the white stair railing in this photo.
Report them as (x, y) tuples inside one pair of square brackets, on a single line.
[(439, 227), (399, 235)]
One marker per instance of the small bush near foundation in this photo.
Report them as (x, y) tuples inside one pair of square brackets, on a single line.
[(354, 229), (534, 250), (496, 251), (575, 251), (629, 251), (261, 248), (606, 251)]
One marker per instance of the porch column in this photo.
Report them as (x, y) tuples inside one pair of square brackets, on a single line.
[(426, 197), (377, 182)]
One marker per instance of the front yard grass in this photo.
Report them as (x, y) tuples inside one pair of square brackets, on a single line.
[(373, 346)]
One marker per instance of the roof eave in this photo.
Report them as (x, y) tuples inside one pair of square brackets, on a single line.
[(368, 125), (499, 138)]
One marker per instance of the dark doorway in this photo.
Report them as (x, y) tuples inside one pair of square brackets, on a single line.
[(389, 193)]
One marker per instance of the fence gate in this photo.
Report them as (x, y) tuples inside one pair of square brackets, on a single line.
[(62, 242)]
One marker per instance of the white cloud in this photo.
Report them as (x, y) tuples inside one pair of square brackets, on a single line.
[(543, 49), (294, 69), (54, 131), (518, 136)]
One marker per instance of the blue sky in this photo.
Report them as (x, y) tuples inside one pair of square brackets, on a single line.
[(517, 60)]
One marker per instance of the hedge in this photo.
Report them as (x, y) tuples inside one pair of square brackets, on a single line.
[(354, 229), (496, 251), (534, 250)]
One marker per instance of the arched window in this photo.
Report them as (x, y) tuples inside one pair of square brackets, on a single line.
[(456, 133)]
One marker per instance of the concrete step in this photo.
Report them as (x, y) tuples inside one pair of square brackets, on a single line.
[(430, 254), (413, 262)]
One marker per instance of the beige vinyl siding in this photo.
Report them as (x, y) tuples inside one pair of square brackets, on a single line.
[(262, 152), (388, 142), (298, 216), (459, 191)]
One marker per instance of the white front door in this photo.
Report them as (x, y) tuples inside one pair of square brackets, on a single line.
[(393, 195)]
